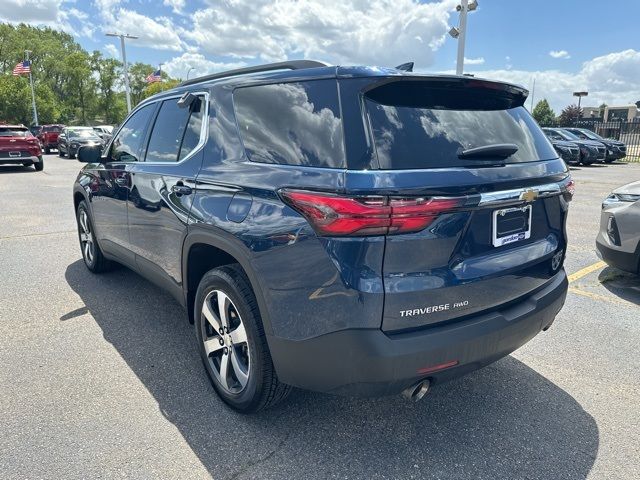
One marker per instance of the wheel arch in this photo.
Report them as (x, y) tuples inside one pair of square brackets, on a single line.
[(204, 250)]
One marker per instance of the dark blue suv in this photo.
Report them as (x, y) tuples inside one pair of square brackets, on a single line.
[(355, 230)]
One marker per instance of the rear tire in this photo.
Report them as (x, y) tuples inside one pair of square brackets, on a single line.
[(47, 150), (250, 382), (91, 252)]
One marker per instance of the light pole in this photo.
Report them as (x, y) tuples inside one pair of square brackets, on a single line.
[(580, 95), (189, 71), (124, 64), (33, 93), (460, 32)]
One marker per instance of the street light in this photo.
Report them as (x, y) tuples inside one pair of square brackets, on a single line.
[(580, 95), (189, 71), (460, 32), (124, 64)]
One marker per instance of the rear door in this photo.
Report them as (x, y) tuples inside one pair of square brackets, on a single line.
[(162, 188), (487, 186)]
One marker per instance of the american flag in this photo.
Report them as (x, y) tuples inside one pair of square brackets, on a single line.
[(154, 77), (22, 67)]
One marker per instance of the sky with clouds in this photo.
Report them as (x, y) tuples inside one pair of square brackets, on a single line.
[(565, 45)]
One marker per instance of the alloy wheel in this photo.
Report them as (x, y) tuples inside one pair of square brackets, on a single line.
[(86, 237), (225, 342)]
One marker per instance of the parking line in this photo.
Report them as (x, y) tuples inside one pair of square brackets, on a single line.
[(586, 271)]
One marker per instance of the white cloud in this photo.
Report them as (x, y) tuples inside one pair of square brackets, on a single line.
[(474, 61), (176, 5), (377, 32), (559, 54), (612, 79), (177, 67), (112, 50), (30, 11)]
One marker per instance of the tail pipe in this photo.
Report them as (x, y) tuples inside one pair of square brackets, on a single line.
[(417, 391)]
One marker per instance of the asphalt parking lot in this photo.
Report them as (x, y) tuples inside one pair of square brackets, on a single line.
[(100, 377)]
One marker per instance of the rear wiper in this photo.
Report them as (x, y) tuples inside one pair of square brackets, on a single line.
[(496, 150)]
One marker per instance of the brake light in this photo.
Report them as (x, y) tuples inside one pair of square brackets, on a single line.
[(337, 215)]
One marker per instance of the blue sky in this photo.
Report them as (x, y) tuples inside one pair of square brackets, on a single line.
[(565, 44)]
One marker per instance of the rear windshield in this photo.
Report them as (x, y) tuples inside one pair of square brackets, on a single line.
[(291, 123), (14, 132), (425, 130), (52, 129)]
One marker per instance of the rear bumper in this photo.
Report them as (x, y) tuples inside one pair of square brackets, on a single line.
[(20, 160), (368, 362)]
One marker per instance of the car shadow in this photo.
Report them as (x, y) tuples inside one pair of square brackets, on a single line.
[(16, 169), (505, 421), (622, 284)]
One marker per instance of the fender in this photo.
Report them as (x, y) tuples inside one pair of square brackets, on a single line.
[(233, 246)]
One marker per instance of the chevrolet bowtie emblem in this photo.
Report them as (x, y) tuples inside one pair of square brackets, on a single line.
[(529, 195)]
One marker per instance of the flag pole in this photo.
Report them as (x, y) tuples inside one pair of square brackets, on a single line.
[(33, 93), (160, 70)]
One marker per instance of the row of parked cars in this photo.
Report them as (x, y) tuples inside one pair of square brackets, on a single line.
[(67, 140), (582, 146)]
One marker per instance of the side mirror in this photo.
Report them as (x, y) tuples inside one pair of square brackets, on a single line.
[(90, 154)]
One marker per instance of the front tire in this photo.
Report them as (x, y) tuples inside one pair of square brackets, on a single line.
[(91, 253), (39, 166), (47, 150), (232, 342), (60, 152)]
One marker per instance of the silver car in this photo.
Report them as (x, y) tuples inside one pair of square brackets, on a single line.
[(618, 241)]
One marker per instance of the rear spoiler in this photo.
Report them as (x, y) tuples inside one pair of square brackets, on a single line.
[(445, 93)]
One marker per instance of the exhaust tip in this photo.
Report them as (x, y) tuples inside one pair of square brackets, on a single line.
[(417, 392)]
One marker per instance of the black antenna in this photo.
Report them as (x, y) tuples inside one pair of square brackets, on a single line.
[(289, 65), (406, 67)]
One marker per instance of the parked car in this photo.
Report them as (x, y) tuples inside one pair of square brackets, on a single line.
[(615, 148), (618, 242), (339, 229), (71, 138), (568, 151), (104, 131), (48, 136), (19, 146), (35, 130), (590, 151)]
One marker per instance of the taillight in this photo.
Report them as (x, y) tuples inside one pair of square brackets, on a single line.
[(337, 215)]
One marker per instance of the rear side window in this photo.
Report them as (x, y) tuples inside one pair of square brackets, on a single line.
[(291, 123), (176, 131), (429, 129)]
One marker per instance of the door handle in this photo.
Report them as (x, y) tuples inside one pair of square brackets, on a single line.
[(181, 189)]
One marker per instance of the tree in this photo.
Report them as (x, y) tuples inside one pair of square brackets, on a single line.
[(543, 114), (110, 103), (569, 115), (157, 87)]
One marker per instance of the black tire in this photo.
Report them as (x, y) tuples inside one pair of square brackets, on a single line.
[(70, 155), (39, 166), (96, 263), (47, 150), (60, 153), (262, 389)]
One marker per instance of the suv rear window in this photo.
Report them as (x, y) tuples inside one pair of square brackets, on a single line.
[(53, 129), (417, 127), (14, 132), (291, 123)]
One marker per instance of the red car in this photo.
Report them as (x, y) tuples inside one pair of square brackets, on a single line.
[(19, 146), (48, 136)]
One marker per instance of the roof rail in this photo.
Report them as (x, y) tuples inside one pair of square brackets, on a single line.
[(288, 65)]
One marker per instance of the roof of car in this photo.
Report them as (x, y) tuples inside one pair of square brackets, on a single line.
[(2, 125), (244, 77)]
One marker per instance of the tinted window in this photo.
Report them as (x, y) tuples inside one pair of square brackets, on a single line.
[(54, 129), (176, 131), (14, 132), (291, 123), (127, 144), (407, 137)]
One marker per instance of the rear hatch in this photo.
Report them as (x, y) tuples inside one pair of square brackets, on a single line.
[(465, 157), (17, 142)]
